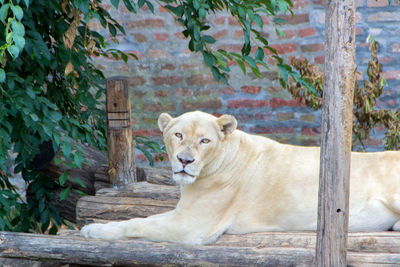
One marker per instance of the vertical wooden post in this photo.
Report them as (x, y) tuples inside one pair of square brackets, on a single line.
[(121, 146), (337, 118)]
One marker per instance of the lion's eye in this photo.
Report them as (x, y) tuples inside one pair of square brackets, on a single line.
[(179, 135), (205, 141)]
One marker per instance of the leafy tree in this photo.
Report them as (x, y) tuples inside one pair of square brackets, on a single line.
[(51, 91)]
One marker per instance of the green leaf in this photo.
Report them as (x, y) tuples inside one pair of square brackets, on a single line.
[(4, 12), (19, 41), (63, 178), (241, 65), (13, 50), (18, 28), (26, 3), (17, 10), (202, 14), (78, 181), (208, 39), (115, 3), (130, 5), (2, 75), (259, 54), (65, 193), (34, 117), (209, 59)]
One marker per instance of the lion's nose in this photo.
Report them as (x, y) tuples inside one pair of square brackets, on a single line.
[(185, 160)]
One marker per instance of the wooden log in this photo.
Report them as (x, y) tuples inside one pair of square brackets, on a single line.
[(138, 200), (72, 249), (336, 130), (121, 146)]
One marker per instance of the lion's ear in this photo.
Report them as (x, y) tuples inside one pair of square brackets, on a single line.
[(227, 124), (163, 121)]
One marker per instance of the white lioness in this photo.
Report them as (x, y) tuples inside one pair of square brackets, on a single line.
[(239, 183)]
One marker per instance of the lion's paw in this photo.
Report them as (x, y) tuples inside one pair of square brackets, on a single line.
[(108, 231)]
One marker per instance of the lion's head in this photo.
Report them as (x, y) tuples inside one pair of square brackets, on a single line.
[(193, 142)]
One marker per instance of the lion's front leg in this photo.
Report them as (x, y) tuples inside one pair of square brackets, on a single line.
[(168, 226)]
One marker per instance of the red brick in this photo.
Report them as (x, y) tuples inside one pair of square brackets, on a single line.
[(251, 89), (300, 4), (227, 91), (145, 23), (296, 18), (282, 48), (220, 20), (233, 22), (319, 59), (159, 108), (288, 34), (385, 60), (247, 103), (200, 79), (285, 116), (180, 35), (220, 34), (263, 116), (163, 9), (266, 20), (182, 92), (359, 31), (161, 36), (312, 48), (148, 132), (168, 67), (396, 47), (311, 131), (279, 102), (238, 34), (202, 92), (373, 142), (167, 80), (158, 53), (140, 38), (377, 3), (307, 32), (161, 93), (231, 47), (211, 104), (135, 81), (188, 66), (272, 130), (392, 74)]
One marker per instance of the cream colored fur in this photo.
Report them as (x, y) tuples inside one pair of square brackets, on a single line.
[(239, 183)]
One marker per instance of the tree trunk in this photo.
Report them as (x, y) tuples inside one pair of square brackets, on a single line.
[(333, 207), (285, 249), (121, 146)]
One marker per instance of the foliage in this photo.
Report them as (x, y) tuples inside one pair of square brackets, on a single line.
[(51, 91), (366, 115)]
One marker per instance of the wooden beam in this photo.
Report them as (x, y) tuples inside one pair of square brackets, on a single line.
[(121, 146), (271, 249), (337, 117)]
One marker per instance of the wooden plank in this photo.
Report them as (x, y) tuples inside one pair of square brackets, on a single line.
[(336, 130), (121, 146), (138, 200), (73, 249)]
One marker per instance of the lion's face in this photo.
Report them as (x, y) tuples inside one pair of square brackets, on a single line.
[(193, 140)]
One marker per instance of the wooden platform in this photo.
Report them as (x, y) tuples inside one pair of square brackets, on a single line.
[(261, 249), (144, 199)]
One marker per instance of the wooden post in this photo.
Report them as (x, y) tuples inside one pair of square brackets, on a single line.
[(337, 118), (121, 146)]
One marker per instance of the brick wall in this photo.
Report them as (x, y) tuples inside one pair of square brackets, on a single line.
[(169, 78)]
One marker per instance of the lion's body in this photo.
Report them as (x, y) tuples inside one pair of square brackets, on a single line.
[(235, 182)]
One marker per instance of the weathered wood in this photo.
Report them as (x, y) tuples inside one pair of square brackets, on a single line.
[(121, 146), (138, 200), (337, 118), (77, 250)]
